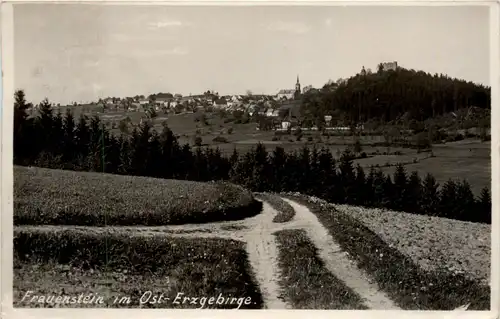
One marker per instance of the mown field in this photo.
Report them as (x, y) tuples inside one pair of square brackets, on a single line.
[(46, 196), (398, 273), (469, 159), (70, 262)]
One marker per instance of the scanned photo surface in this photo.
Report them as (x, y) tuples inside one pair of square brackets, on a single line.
[(252, 157)]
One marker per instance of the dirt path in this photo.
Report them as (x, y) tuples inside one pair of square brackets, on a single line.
[(337, 262), (258, 234), (262, 254)]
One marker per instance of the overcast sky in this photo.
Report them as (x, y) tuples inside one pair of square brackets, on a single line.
[(82, 52)]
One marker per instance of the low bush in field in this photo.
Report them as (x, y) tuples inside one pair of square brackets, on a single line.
[(306, 282), (46, 196), (408, 284), (285, 211), (47, 260), (220, 139)]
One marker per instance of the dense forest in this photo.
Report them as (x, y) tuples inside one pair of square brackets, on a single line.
[(63, 142), (394, 95)]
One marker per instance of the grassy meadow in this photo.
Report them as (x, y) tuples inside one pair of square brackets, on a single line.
[(113, 265), (306, 282), (46, 196)]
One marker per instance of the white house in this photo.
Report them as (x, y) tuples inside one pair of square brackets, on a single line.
[(285, 125), (285, 94), (220, 103), (173, 103)]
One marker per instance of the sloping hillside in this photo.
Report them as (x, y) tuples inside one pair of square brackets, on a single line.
[(47, 196)]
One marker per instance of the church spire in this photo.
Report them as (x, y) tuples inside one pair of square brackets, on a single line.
[(297, 88)]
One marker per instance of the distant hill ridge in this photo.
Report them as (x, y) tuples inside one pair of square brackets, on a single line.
[(388, 95)]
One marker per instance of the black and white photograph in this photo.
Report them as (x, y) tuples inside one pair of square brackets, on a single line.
[(279, 157)]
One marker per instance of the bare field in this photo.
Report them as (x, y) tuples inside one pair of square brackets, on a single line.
[(434, 243)]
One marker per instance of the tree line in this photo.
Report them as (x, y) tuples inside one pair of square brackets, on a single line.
[(54, 140)]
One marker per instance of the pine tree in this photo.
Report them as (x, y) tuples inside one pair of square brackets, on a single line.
[(96, 146), (293, 174), (448, 201), (466, 203), (484, 206), (360, 188), (277, 167), (369, 187), (170, 151), (44, 135), (236, 166), (400, 185), (24, 151), (260, 169), (304, 177), (414, 191), (379, 188), (314, 175), (388, 198), (112, 156), (430, 196), (234, 157), (154, 162), (82, 135), (185, 164), (69, 143), (326, 167), (347, 179), (58, 133), (200, 172)]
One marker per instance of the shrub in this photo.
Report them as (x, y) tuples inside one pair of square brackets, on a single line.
[(197, 140), (220, 139)]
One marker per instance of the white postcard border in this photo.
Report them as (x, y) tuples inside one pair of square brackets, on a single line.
[(6, 173)]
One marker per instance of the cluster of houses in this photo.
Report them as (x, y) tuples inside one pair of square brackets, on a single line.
[(267, 105), (278, 112), (191, 102), (282, 110)]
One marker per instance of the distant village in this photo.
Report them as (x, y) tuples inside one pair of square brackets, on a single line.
[(282, 109)]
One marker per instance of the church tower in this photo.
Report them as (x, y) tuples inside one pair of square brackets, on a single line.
[(297, 88)]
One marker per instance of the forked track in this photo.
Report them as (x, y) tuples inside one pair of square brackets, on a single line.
[(258, 234)]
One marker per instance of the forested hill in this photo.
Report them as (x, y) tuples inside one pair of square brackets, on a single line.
[(391, 95)]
